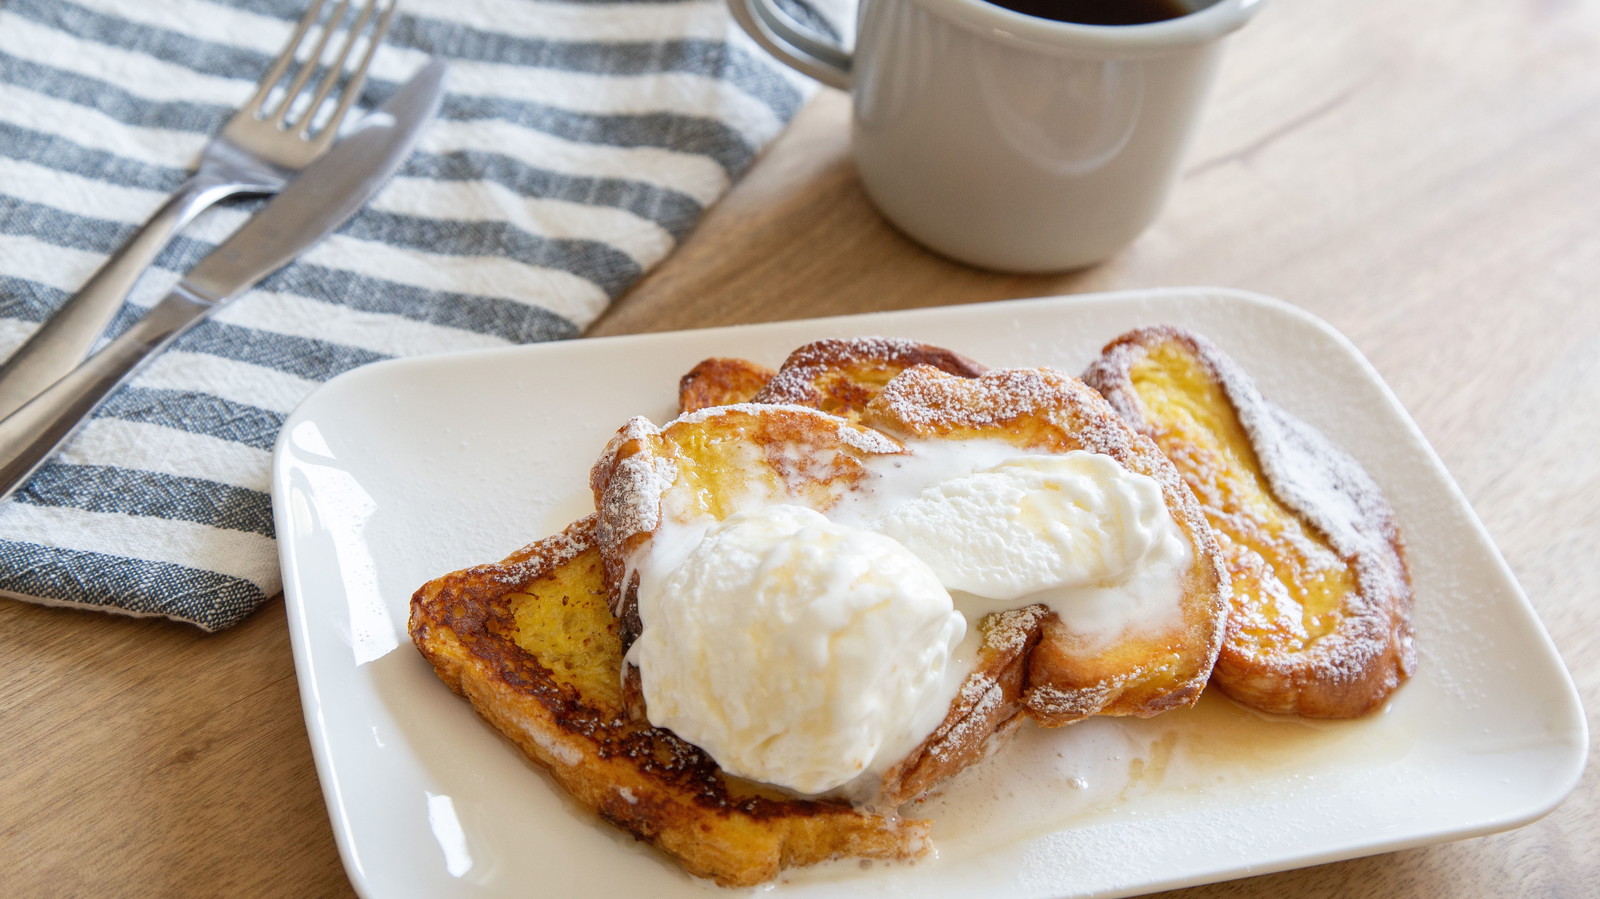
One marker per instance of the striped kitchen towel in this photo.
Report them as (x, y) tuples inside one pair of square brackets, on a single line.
[(579, 142)]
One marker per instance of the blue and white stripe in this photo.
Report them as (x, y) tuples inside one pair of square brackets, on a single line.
[(580, 141)]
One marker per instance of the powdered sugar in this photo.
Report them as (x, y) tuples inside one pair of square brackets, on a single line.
[(1008, 632), (1055, 702), (971, 721), (634, 505), (547, 554), (628, 481)]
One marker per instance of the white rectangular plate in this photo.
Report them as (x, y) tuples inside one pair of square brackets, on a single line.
[(399, 472)]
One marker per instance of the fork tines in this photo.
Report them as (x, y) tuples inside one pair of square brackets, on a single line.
[(312, 52)]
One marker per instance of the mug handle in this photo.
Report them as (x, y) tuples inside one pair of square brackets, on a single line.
[(779, 34)]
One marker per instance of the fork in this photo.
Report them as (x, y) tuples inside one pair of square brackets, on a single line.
[(274, 135)]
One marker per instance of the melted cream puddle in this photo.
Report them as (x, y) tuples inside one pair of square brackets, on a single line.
[(1108, 769)]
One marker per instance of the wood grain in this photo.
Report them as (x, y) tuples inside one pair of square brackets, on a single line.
[(1425, 176)]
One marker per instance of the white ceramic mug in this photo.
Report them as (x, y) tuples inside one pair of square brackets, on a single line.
[(1010, 141)]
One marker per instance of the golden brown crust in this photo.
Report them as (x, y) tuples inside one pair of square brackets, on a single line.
[(1048, 411), (720, 381), (571, 720), (1289, 647), (841, 376)]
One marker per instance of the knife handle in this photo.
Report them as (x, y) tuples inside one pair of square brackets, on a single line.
[(31, 434), (66, 338)]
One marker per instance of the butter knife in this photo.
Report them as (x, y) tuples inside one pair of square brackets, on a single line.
[(323, 197)]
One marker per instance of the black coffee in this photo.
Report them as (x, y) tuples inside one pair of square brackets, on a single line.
[(1098, 12)]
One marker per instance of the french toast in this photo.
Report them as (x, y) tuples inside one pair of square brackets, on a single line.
[(721, 381), (1320, 620), (838, 376), (719, 459), (537, 642), (841, 376), (532, 644)]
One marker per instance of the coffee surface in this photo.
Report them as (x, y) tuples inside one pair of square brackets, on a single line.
[(1098, 12)]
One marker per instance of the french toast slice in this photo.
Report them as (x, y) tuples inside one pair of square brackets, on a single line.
[(532, 644), (1144, 672), (840, 376), (721, 381), (1320, 620)]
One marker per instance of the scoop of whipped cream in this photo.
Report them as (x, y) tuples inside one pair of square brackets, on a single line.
[(1077, 531), (798, 651)]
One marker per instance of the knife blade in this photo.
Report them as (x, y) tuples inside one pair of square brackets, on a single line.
[(315, 204)]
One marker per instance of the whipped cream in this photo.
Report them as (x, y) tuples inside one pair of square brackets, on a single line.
[(1077, 532), (798, 651), (815, 651)]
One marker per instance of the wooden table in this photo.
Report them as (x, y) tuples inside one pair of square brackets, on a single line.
[(1425, 176)]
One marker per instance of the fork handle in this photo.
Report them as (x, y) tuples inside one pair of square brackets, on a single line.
[(31, 435), (66, 338)]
